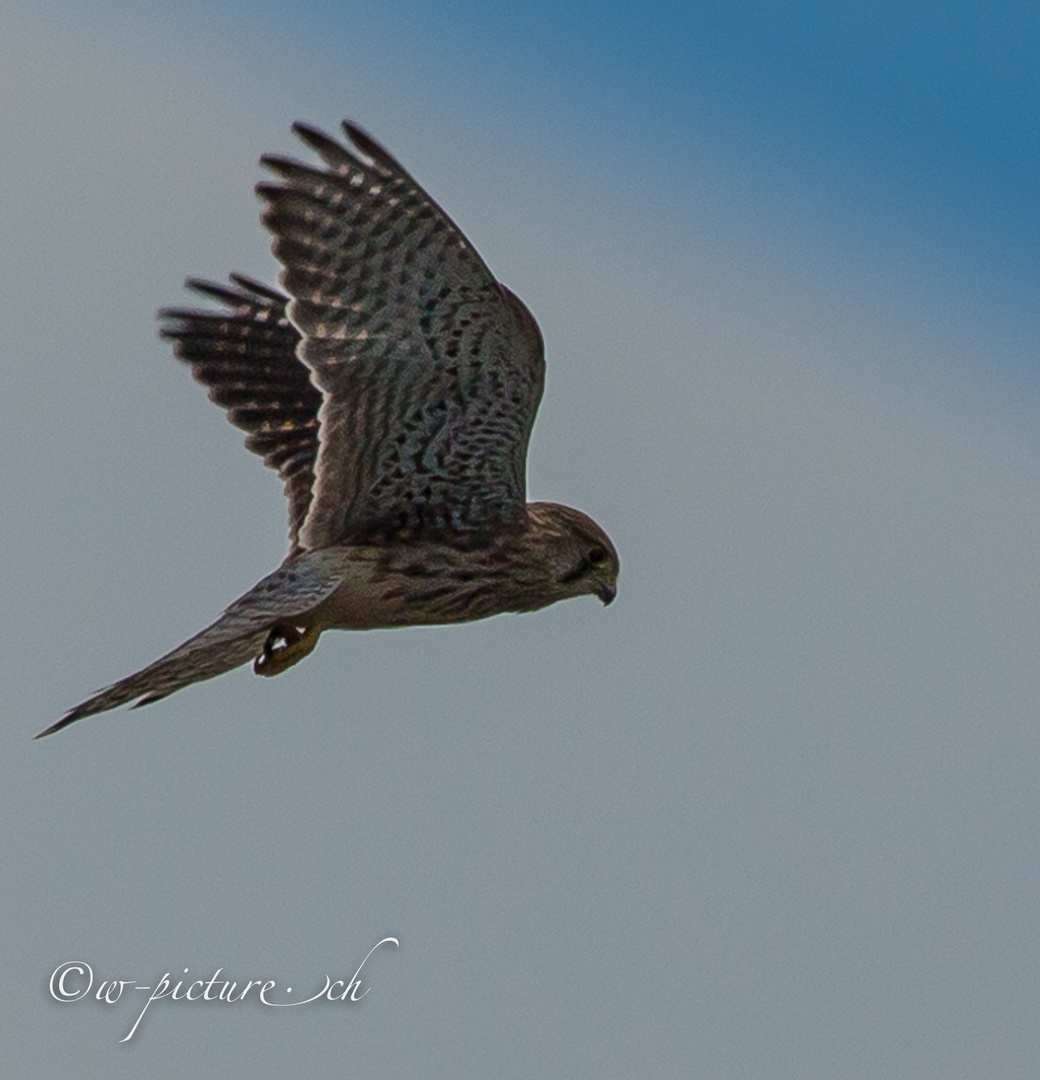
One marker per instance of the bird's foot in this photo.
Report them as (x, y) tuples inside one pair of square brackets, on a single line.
[(285, 645)]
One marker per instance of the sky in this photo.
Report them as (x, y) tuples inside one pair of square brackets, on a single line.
[(774, 812)]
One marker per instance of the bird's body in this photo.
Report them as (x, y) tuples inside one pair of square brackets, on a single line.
[(407, 584), (394, 390)]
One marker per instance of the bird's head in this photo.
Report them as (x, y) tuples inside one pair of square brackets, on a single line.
[(575, 551)]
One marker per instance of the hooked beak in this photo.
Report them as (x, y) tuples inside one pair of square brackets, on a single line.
[(606, 592)]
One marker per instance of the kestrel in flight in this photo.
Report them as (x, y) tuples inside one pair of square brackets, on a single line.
[(393, 387)]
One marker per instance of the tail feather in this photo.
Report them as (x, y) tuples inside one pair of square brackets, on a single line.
[(191, 662), (235, 638)]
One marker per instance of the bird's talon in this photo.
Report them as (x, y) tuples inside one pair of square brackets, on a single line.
[(285, 646)]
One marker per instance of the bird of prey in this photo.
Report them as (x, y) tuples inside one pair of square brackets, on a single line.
[(393, 386)]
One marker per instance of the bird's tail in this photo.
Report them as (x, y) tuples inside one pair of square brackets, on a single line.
[(235, 638)]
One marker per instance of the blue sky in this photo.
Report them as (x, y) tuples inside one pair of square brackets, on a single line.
[(892, 143), (774, 812), (914, 119)]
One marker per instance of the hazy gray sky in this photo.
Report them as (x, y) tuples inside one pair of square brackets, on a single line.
[(772, 814)]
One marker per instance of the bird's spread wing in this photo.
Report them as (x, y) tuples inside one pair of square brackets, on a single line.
[(246, 355), (431, 370)]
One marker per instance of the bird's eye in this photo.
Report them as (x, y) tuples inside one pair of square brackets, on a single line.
[(597, 556)]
